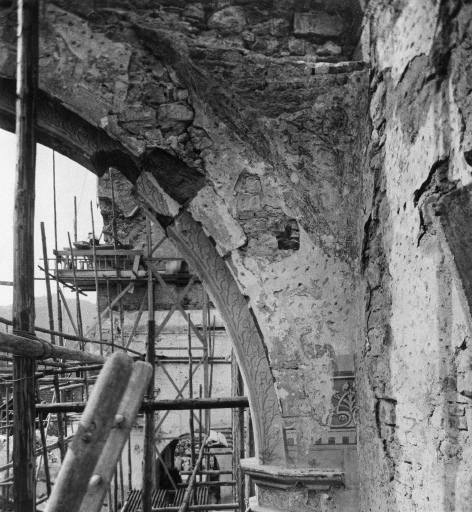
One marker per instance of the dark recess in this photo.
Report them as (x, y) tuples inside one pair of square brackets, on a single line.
[(176, 178)]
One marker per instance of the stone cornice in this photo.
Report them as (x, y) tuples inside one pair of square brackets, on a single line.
[(285, 477)]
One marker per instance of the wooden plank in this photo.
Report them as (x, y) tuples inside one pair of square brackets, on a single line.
[(231, 402), (89, 275), (72, 337), (197, 508), (100, 252), (24, 485), (88, 443), (126, 416)]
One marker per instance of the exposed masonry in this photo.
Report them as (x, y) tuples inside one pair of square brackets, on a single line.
[(436, 185), (341, 230)]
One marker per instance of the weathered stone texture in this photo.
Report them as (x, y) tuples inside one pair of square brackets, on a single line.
[(413, 433)]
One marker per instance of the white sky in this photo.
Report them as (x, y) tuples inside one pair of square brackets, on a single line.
[(71, 180)]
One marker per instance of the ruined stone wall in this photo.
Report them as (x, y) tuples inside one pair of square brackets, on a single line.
[(414, 360), (250, 116)]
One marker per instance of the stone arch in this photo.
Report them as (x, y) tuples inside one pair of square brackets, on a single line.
[(71, 135)]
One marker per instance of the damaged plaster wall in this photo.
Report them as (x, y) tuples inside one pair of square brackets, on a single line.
[(414, 359), (304, 296), (259, 110), (251, 116)]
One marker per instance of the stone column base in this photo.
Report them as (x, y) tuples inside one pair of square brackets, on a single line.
[(282, 489)]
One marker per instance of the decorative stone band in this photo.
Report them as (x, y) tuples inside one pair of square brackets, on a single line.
[(148, 190), (291, 489), (210, 267), (189, 237)]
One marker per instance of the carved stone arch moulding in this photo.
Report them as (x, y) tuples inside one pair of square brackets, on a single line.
[(74, 137), (210, 267), (190, 239)]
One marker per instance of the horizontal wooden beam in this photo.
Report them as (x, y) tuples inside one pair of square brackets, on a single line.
[(41, 349), (157, 405), (100, 252), (72, 337), (209, 506)]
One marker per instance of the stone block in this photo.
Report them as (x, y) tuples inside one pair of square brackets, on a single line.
[(174, 115), (200, 138), (230, 20), (249, 202), (318, 25), (377, 105), (210, 209), (387, 432), (322, 68), (195, 13), (298, 46), (329, 49), (261, 29), (148, 189), (279, 27), (160, 93), (267, 46), (386, 412), (248, 38)]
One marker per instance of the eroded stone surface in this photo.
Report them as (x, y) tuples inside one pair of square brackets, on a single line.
[(414, 449)]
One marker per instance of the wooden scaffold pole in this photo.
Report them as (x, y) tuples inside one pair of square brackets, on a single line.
[(95, 271), (58, 297), (148, 462), (238, 433), (23, 257), (190, 392), (24, 492), (117, 260), (60, 425)]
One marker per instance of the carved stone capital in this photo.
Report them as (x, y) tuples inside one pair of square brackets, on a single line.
[(291, 489)]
